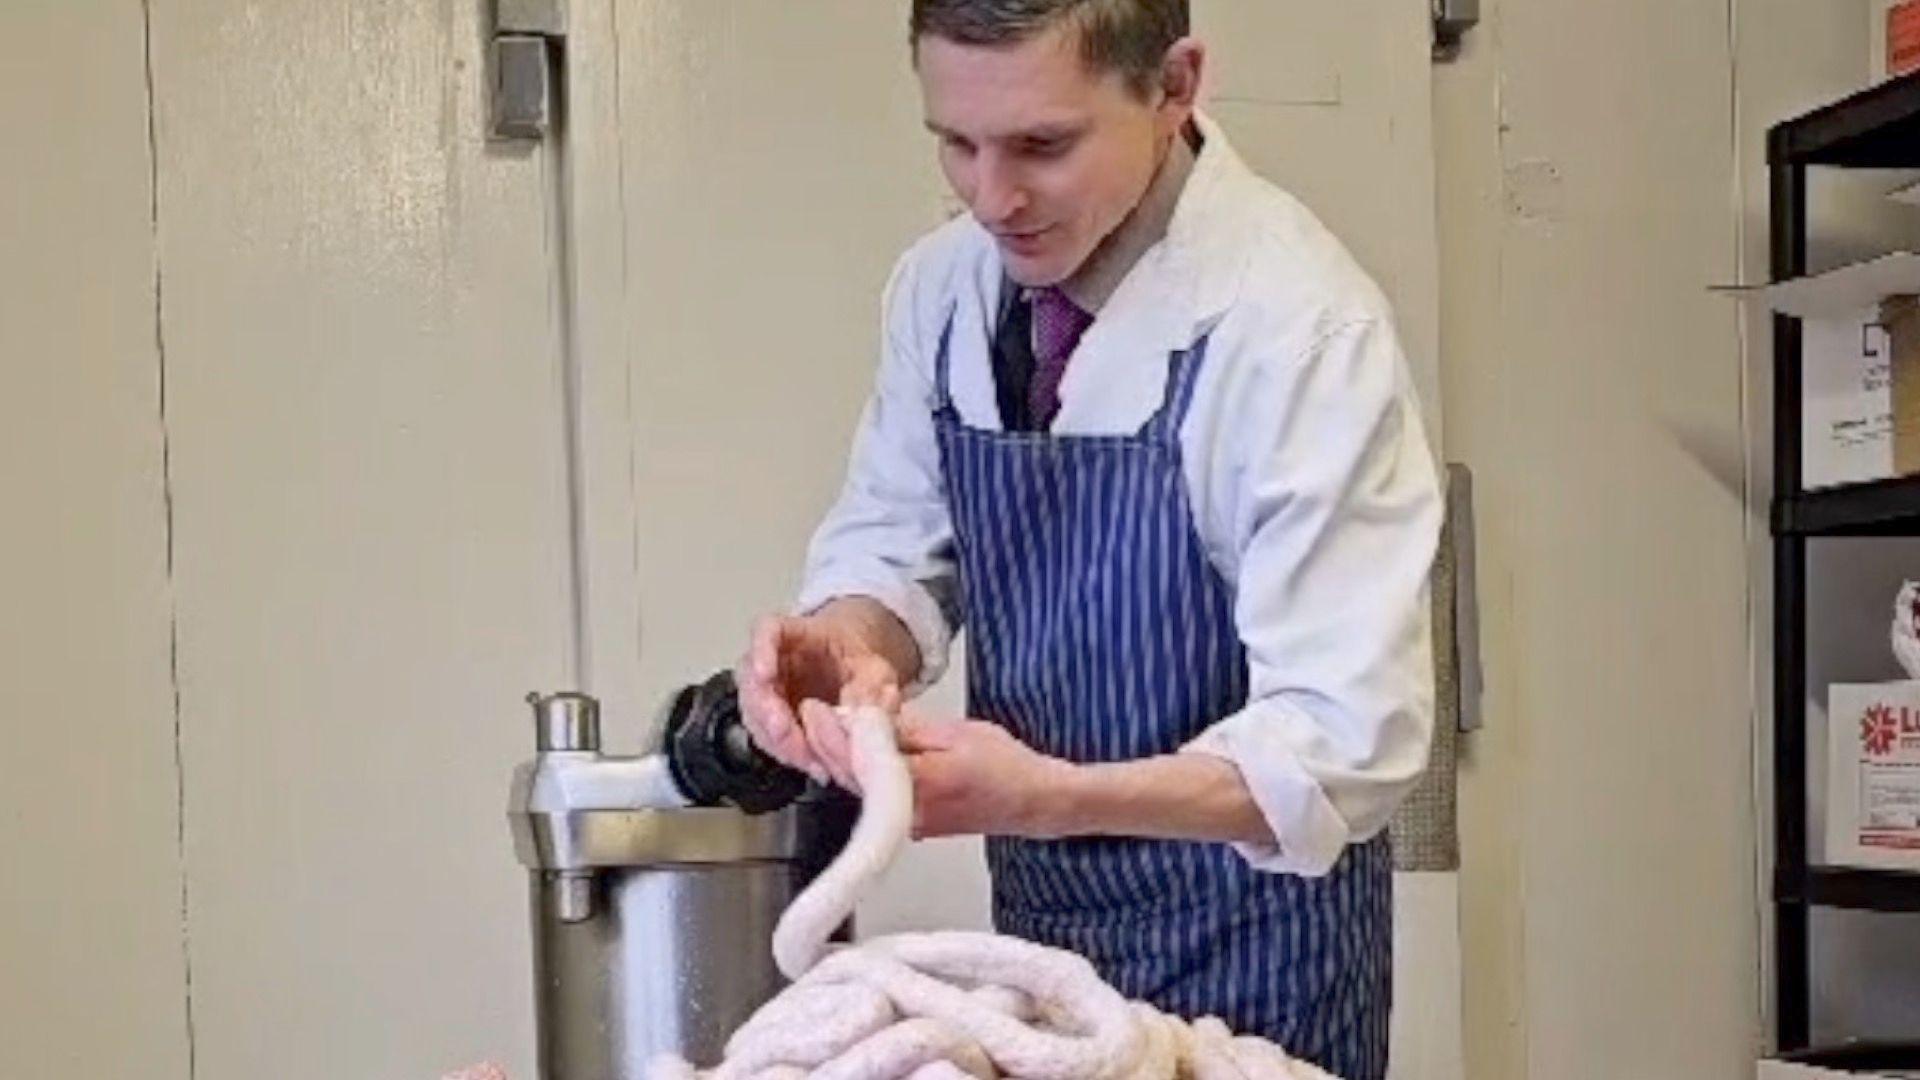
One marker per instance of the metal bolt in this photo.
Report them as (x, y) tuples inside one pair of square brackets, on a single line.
[(571, 892)]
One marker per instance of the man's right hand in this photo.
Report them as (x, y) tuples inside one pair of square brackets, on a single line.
[(797, 668)]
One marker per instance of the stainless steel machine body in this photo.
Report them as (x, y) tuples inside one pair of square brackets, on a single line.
[(653, 917)]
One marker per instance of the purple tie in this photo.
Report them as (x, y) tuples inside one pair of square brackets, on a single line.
[(1057, 325)]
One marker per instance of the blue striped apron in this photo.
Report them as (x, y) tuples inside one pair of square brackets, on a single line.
[(1099, 631)]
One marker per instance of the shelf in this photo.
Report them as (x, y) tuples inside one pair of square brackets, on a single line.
[(1879, 508), (1860, 1057), (1858, 890), (1875, 128)]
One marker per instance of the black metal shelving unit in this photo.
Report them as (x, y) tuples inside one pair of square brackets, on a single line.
[(1877, 128)]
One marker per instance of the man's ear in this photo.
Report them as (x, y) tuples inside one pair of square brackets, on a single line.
[(1181, 73)]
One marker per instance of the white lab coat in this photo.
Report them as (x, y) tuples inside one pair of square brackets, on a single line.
[(1309, 475)]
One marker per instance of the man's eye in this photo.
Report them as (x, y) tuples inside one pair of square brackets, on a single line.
[(1046, 148)]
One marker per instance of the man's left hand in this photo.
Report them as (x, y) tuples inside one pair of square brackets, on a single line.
[(973, 777)]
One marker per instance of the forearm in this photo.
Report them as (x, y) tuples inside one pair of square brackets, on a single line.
[(879, 629), (1174, 797)]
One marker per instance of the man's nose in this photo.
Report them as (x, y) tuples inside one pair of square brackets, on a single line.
[(998, 196)]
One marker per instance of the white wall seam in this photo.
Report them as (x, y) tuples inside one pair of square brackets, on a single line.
[(1757, 748), (167, 532)]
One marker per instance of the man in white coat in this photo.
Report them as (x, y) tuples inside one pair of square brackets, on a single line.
[(1143, 429)]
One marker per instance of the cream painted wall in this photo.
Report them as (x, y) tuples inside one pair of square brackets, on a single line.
[(1467, 149), (1612, 882), (760, 236), (766, 195), (92, 974), (261, 666), (370, 525), (1587, 202)]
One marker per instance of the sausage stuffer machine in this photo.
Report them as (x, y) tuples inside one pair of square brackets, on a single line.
[(656, 880)]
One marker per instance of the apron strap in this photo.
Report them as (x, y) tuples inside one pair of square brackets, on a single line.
[(1182, 374), (942, 392)]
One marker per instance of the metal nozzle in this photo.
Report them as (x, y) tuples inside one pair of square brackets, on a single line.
[(565, 721)]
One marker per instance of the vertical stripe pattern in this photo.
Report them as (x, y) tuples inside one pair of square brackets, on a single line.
[(1099, 631)]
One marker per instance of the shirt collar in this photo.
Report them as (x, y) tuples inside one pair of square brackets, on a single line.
[(1206, 241), (1182, 284)]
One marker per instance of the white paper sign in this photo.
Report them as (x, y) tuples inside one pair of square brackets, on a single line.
[(1847, 411), (1847, 384), (1873, 789)]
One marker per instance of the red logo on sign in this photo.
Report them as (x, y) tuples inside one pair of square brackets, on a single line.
[(1878, 730)]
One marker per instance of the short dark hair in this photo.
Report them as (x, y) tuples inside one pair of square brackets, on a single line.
[(1129, 37)]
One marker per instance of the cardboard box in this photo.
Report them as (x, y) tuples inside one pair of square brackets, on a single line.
[(1873, 775), (1900, 318), (1894, 38), (1846, 434)]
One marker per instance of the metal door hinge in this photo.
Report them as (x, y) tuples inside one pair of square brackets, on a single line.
[(525, 55), (1451, 21)]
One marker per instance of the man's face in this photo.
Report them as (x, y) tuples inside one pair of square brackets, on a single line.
[(1048, 155)]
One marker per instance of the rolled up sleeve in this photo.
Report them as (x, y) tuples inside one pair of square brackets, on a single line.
[(1333, 506), (889, 535)]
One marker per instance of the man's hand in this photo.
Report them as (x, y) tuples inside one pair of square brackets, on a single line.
[(970, 776), (796, 669)]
